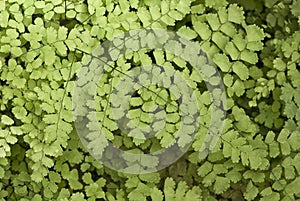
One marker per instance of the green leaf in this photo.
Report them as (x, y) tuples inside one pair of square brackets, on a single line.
[(234, 175), (232, 51), (202, 29), (255, 46), (222, 61), (228, 80), (4, 15), (62, 33), (155, 12), (49, 55), (292, 187), (11, 139), (6, 120), (239, 42), (241, 70), (295, 8), (144, 16), (279, 64), (159, 56), (167, 140), (77, 197), (71, 14), (156, 194), (61, 48), (251, 191), (235, 14), (183, 6), (39, 4), (173, 117), (187, 32), (205, 169), (222, 12), (197, 9), (287, 93), (213, 21), (221, 185), (254, 33), (59, 10), (175, 15), (194, 194), (220, 39), (168, 20), (249, 56), (215, 3), (2, 152), (169, 187)]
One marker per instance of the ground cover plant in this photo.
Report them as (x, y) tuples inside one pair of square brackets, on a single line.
[(46, 47)]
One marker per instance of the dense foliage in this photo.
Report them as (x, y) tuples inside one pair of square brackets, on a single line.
[(255, 46)]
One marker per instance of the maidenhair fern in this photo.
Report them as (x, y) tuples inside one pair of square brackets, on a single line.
[(50, 145)]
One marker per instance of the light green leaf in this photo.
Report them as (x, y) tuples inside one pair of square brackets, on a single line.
[(39, 4), (175, 15), (231, 49), (6, 120), (167, 140), (220, 39), (239, 42), (279, 64), (213, 21), (156, 194), (222, 61), (249, 56), (241, 70), (254, 33), (251, 191), (221, 184), (235, 14), (187, 32), (202, 29), (255, 46)]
